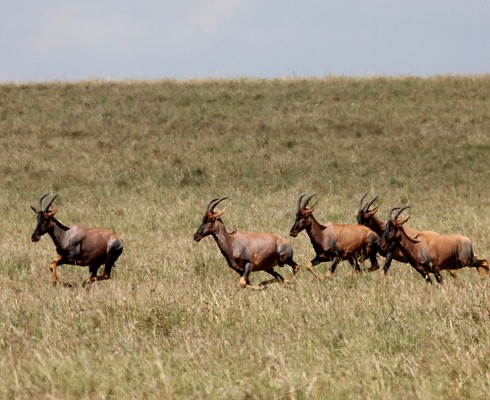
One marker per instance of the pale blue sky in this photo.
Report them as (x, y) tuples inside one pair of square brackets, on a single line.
[(50, 40)]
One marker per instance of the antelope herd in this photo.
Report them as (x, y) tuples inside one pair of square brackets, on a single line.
[(426, 251)]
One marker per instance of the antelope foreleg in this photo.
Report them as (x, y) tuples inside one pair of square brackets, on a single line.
[(52, 267), (335, 262), (388, 259), (246, 272), (437, 274)]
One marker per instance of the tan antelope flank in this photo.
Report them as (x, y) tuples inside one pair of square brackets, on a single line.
[(77, 245), (335, 242), (430, 252), (367, 217), (246, 252)]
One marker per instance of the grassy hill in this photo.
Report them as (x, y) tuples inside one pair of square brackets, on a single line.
[(145, 158)]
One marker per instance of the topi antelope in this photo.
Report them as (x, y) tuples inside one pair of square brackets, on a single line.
[(367, 217), (246, 252), (430, 252), (335, 242), (77, 245)]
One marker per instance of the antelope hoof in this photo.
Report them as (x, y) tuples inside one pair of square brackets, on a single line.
[(87, 283), (243, 282), (328, 275)]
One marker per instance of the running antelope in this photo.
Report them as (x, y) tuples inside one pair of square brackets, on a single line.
[(367, 216), (246, 252), (335, 242), (430, 252), (77, 245)]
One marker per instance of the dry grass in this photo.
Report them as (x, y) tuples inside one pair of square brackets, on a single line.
[(144, 158)]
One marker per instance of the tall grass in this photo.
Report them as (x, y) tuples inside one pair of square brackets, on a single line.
[(145, 158)]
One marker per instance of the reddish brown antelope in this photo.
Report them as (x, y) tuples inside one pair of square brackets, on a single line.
[(367, 216), (77, 245), (430, 252), (335, 242), (246, 252)]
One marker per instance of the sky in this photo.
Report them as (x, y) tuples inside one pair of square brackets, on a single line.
[(53, 40)]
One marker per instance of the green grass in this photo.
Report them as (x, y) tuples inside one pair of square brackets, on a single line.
[(145, 158)]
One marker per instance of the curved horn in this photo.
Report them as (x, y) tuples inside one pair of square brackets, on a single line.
[(40, 202), (308, 200), (361, 207), (399, 212), (51, 202), (391, 212), (210, 205), (299, 202), (213, 203), (371, 203)]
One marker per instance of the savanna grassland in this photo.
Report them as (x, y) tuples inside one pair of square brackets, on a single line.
[(145, 158)]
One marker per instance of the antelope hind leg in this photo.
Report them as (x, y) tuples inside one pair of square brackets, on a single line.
[(309, 267), (296, 269), (94, 279), (276, 278)]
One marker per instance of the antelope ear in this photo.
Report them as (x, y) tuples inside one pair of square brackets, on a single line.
[(219, 213), (33, 209), (52, 212), (404, 220), (414, 238), (312, 208)]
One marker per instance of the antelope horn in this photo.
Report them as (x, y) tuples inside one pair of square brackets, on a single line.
[(214, 203), (360, 201), (399, 212), (391, 212), (51, 202), (299, 202), (371, 203), (40, 202), (210, 205), (308, 200)]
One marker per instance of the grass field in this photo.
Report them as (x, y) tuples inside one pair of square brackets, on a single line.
[(145, 158)]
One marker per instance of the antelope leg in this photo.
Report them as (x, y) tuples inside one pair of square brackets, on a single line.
[(52, 267), (309, 267)]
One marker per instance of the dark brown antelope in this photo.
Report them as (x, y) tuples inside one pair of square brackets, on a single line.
[(430, 252), (246, 252), (335, 242), (77, 245)]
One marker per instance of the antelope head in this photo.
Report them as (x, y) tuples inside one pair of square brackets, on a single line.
[(208, 223), (44, 217), (364, 214), (394, 227), (303, 215)]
